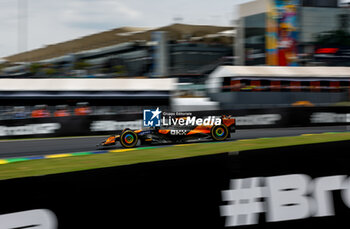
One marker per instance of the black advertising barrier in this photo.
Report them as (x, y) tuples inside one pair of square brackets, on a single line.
[(288, 187), (68, 126), (286, 117), (111, 124)]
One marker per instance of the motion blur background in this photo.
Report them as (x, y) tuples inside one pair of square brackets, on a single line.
[(227, 55)]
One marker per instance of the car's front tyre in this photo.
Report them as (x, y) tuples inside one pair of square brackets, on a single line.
[(128, 139)]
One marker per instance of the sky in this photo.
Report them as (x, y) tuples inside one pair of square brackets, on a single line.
[(52, 21)]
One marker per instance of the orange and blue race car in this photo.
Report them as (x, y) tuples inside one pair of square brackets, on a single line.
[(173, 134)]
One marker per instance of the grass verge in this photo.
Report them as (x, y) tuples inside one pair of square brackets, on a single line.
[(84, 162)]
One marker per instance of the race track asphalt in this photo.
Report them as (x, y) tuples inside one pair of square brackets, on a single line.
[(39, 147)]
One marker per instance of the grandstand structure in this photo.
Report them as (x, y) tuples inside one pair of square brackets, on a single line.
[(126, 52), (277, 86)]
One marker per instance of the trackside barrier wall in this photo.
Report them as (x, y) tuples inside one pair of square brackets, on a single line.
[(287, 187), (111, 124)]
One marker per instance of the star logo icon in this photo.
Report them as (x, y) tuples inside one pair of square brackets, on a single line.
[(151, 117), (156, 113)]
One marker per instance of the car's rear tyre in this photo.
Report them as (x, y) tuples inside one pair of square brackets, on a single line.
[(128, 139), (219, 132)]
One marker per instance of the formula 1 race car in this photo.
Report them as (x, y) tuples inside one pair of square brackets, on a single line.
[(174, 134)]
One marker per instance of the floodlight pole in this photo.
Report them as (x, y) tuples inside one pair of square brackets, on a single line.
[(22, 33)]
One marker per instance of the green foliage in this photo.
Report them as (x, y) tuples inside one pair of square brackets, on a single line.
[(35, 68), (120, 70), (50, 71), (81, 65)]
